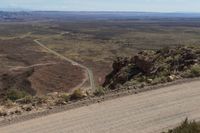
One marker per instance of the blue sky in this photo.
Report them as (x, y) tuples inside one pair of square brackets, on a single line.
[(105, 5)]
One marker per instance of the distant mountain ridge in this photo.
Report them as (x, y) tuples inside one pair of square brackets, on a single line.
[(84, 15)]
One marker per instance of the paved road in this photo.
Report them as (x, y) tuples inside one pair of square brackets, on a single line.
[(147, 112), (88, 70)]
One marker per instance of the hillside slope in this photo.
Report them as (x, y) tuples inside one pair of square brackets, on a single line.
[(26, 67)]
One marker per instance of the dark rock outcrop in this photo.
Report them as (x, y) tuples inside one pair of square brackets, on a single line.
[(155, 66)]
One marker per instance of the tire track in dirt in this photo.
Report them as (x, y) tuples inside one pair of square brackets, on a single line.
[(16, 68)]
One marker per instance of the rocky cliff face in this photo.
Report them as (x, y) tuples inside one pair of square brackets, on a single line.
[(153, 67)]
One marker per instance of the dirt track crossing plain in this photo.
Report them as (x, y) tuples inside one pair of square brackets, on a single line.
[(148, 112), (90, 73)]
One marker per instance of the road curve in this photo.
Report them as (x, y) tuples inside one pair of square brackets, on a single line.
[(89, 72), (148, 112)]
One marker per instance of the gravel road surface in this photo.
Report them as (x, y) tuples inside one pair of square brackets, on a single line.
[(147, 112)]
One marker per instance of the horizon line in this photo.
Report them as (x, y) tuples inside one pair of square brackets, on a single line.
[(119, 11)]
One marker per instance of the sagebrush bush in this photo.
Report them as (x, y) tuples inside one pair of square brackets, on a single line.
[(41, 99), (15, 94), (26, 100), (186, 127), (77, 94), (195, 70), (99, 91), (65, 97)]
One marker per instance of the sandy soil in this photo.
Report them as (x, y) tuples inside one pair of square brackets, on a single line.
[(148, 112)]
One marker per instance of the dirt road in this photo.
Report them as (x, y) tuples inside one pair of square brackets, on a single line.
[(31, 66), (89, 72), (147, 112)]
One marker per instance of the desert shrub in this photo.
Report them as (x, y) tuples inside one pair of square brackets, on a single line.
[(187, 74), (177, 57), (141, 79), (41, 99), (99, 91), (134, 82), (65, 97), (77, 94), (169, 59), (165, 70), (15, 94), (158, 80), (186, 127), (194, 71), (8, 103), (25, 100), (59, 101), (165, 49)]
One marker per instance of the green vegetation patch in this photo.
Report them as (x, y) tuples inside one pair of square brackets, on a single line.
[(15, 94), (186, 127), (194, 71), (99, 91), (77, 94)]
